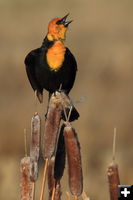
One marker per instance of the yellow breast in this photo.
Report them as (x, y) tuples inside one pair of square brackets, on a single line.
[(55, 55)]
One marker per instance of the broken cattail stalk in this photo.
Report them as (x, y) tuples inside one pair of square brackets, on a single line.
[(52, 125), (114, 181), (35, 145), (60, 156), (74, 161), (26, 184)]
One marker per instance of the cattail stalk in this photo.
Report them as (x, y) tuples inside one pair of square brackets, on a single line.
[(74, 161), (53, 184), (44, 179), (33, 190), (57, 191)]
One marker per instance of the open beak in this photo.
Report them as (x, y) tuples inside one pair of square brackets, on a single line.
[(64, 22)]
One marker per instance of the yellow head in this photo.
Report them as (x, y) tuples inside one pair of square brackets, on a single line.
[(57, 28)]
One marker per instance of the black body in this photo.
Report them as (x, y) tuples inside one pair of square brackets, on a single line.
[(41, 76)]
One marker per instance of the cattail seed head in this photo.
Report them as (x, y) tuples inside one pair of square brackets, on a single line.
[(52, 126), (25, 184), (74, 161), (35, 146), (114, 181)]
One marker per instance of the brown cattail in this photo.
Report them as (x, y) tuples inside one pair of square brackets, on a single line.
[(74, 161), (113, 174), (26, 184), (35, 137), (35, 145), (114, 181), (60, 156), (52, 125)]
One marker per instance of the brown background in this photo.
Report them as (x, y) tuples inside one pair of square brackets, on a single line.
[(101, 38)]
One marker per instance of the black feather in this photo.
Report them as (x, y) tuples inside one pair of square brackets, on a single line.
[(41, 76)]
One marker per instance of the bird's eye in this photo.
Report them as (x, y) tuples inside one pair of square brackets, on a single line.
[(59, 22)]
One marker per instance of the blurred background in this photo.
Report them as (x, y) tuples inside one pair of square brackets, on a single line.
[(101, 38)]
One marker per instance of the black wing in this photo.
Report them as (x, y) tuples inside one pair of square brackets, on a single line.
[(72, 58), (30, 63), (71, 67)]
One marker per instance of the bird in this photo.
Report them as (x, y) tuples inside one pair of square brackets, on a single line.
[(52, 66)]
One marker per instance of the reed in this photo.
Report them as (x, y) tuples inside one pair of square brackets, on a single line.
[(59, 142)]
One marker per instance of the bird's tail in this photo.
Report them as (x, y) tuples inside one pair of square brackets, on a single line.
[(69, 113)]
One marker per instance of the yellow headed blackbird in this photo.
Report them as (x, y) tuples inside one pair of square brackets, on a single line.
[(52, 65)]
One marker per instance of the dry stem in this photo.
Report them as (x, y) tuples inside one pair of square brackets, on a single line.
[(44, 179), (33, 190)]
